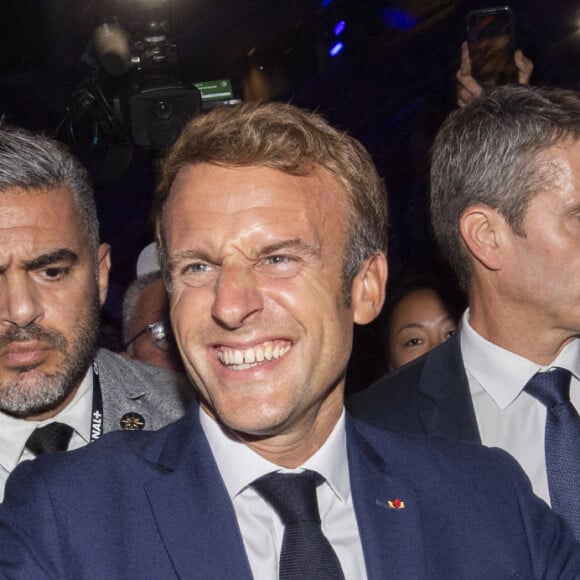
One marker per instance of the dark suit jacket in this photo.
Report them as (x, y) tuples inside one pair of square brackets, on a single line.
[(429, 395), (152, 505)]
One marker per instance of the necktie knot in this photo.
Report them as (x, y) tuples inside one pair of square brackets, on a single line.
[(292, 495), (551, 388), (305, 551), (52, 437)]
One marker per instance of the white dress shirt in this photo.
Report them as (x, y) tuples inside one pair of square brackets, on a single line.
[(260, 525), (507, 416), (15, 432)]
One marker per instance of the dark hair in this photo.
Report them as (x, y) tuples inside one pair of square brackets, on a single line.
[(493, 152), (443, 284), (35, 162), (283, 137), (417, 276)]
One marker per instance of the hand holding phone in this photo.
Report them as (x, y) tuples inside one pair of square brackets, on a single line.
[(490, 37)]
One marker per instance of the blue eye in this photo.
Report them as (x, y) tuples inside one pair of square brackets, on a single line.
[(198, 267), (279, 259), (281, 265), (197, 273)]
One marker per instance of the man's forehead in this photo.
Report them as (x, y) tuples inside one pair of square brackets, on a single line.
[(41, 198), (253, 194), (41, 217), (194, 180), (57, 190), (244, 195)]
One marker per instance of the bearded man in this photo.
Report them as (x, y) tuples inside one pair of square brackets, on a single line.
[(56, 391)]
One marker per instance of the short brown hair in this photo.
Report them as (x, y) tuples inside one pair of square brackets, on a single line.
[(284, 137)]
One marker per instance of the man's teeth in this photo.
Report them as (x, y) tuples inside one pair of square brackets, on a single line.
[(252, 356)]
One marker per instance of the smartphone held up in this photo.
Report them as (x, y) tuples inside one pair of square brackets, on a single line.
[(490, 38)]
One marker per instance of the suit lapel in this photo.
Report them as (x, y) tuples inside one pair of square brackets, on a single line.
[(390, 533), (122, 390), (444, 381), (194, 514)]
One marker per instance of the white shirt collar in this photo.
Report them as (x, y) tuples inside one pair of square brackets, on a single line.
[(15, 431), (502, 373), (239, 465)]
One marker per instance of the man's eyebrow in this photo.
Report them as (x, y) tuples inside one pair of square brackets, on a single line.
[(62, 255), (185, 255), (296, 244)]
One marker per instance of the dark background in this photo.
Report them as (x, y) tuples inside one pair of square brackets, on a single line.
[(391, 86)]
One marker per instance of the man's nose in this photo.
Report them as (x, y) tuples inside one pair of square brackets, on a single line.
[(237, 296), (19, 301)]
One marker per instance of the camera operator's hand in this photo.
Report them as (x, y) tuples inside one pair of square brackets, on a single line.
[(468, 88)]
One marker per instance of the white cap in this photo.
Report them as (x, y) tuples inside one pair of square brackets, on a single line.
[(147, 260)]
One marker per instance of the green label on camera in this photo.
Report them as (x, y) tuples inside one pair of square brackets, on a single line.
[(215, 90)]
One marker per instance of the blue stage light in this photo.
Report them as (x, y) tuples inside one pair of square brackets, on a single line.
[(339, 28), (336, 49)]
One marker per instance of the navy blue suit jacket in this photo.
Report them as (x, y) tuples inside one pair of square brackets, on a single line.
[(429, 395), (152, 505)]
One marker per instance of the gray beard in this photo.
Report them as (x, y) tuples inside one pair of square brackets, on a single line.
[(33, 392)]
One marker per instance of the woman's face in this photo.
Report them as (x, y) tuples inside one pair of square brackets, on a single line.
[(419, 323)]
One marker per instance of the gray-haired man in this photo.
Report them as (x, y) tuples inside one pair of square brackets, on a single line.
[(505, 203), (53, 279)]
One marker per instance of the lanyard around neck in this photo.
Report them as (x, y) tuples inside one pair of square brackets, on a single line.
[(97, 411)]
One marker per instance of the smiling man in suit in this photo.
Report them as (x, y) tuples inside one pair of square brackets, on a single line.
[(271, 228), (505, 201), (57, 391)]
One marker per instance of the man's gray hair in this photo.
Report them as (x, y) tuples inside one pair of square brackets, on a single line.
[(132, 295), (493, 152), (35, 162)]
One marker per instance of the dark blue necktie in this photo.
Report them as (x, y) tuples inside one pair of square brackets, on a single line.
[(306, 553), (52, 437), (562, 443)]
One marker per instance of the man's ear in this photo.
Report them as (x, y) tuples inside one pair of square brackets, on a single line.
[(104, 257), (483, 231), (368, 289)]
